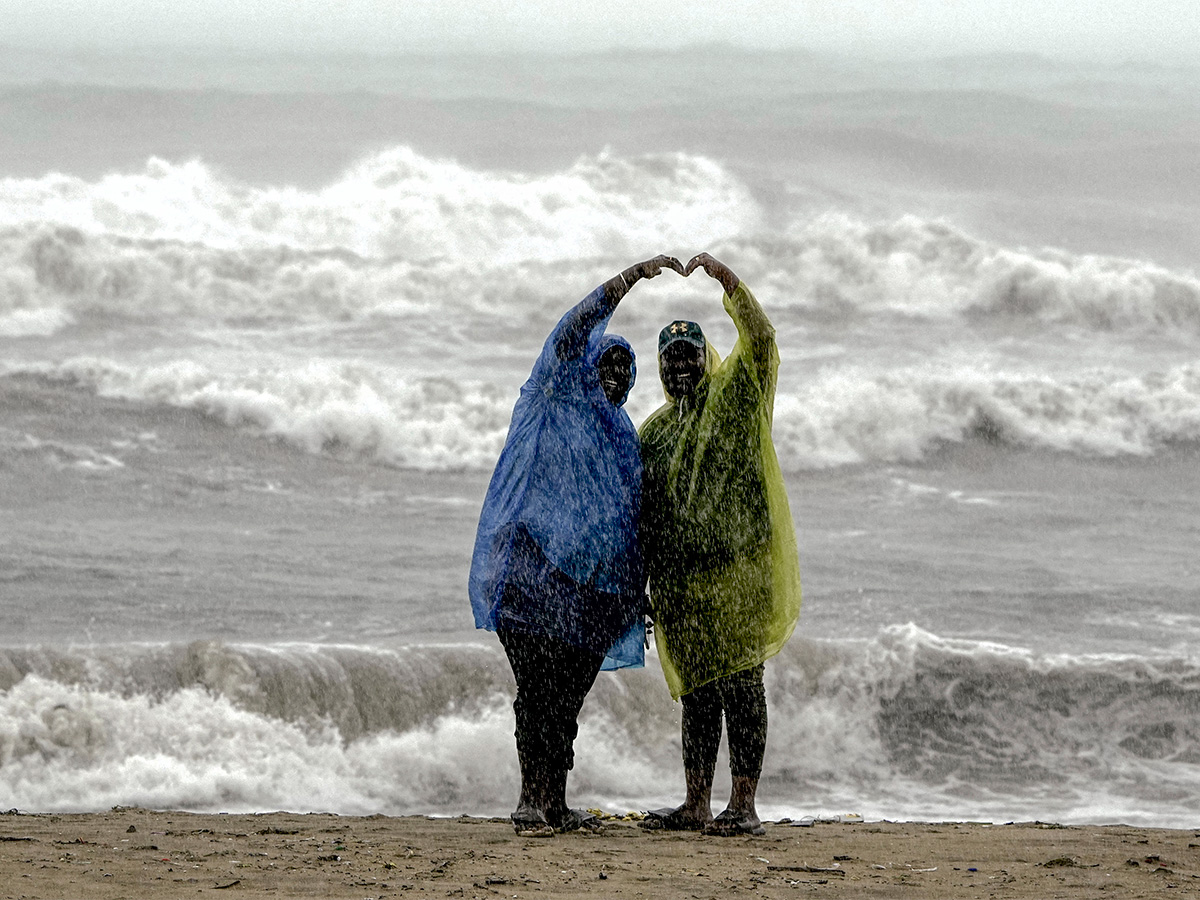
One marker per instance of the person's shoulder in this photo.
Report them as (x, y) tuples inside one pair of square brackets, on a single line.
[(655, 420)]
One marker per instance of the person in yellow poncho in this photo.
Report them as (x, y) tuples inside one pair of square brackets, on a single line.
[(720, 549)]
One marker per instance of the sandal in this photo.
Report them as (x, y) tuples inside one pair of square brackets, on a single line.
[(670, 820), (734, 824), (529, 822), (577, 819)]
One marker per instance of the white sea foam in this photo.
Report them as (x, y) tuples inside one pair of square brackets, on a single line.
[(400, 227), (906, 724), (400, 204), (844, 416), (27, 322), (70, 748), (838, 263), (857, 415), (328, 406)]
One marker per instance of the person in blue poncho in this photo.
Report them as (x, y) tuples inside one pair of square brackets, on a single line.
[(557, 571)]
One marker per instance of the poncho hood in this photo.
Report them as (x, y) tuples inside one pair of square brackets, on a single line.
[(603, 345), (712, 363)]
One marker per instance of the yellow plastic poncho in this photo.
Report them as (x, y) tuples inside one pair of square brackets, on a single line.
[(717, 531)]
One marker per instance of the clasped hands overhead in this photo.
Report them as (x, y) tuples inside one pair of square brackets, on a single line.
[(712, 266)]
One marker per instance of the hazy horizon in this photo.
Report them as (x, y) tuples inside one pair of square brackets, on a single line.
[(886, 52), (1155, 29)]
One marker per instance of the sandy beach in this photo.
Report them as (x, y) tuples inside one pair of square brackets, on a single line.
[(133, 853)]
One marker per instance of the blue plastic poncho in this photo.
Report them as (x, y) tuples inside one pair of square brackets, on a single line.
[(557, 549)]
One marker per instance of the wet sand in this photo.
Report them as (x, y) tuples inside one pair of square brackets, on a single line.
[(136, 853)]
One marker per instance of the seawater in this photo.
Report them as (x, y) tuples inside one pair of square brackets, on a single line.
[(261, 341)]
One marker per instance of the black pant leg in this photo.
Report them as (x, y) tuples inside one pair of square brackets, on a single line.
[(529, 704), (577, 670), (553, 679), (701, 730), (744, 698)]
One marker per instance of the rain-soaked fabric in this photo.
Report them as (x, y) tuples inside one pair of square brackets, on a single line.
[(553, 679), (557, 548), (717, 531)]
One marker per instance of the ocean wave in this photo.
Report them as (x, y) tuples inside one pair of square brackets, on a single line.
[(977, 728), (243, 728), (905, 724), (985, 712), (837, 264), (334, 407), (855, 415), (397, 203), (62, 272), (401, 230), (842, 416), (353, 690)]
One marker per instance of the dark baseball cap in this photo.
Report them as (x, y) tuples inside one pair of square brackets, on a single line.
[(681, 330)]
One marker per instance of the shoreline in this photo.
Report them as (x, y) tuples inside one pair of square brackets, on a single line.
[(133, 852)]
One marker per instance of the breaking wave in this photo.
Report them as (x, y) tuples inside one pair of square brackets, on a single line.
[(844, 416), (402, 230), (905, 725)]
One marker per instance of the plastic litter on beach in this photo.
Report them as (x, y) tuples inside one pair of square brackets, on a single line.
[(631, 816), (809, 821)]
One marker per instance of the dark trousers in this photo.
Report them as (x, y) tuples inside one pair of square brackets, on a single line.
[(553, 678), (742, 699)]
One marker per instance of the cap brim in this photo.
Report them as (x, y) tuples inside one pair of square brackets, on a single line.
[(685, 338)]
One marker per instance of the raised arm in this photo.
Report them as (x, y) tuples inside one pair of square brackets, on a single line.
[(617, 286), (714, 268), (752, 323), (599, 305)]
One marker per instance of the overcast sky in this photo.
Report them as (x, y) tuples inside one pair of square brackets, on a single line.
[(1128, 28)]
